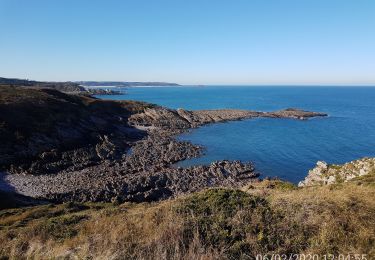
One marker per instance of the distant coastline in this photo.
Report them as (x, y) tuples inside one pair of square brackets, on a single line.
[(123, 84)]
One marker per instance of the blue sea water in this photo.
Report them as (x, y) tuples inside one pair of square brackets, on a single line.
[(278, 147)]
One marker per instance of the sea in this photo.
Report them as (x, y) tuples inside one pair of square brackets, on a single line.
[(284, 148)]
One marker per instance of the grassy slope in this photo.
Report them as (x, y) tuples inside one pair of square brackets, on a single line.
[(269, 217)]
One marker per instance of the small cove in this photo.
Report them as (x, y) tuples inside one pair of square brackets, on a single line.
[(278, 147)]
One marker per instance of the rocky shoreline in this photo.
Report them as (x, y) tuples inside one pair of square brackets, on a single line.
[(130, 156), (183, 119)]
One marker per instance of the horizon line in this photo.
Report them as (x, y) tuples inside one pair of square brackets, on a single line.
[(208, 84)]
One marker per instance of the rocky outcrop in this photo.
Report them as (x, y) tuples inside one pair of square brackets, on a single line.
[(182, 119), (160, 117), (325, 174), (294, 113)]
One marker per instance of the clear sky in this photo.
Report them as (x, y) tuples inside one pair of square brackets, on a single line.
[(190, 41)]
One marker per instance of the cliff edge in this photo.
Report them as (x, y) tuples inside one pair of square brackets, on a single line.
[(325, 174)]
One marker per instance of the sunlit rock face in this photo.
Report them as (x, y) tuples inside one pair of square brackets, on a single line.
[(324, 173)]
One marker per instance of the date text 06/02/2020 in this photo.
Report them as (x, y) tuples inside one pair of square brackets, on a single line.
[(312, 257)]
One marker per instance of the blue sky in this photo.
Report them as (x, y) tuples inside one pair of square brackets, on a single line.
[(190, 41)]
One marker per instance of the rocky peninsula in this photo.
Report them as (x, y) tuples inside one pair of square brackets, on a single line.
[(62, 147)]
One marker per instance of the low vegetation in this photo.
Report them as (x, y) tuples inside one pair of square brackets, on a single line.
[(264, 218)]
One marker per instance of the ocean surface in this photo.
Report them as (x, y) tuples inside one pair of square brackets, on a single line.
[(278, 147)]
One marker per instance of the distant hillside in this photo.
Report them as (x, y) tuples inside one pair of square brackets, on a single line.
[(23, 82), (61, 86), (124, 84)]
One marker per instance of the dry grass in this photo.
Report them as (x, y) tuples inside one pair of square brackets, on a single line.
[(271, 217), (337, 219)]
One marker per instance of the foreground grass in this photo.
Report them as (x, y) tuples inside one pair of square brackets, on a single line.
[(265, 218)]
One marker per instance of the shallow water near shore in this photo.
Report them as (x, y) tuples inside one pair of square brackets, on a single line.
[(278, 147)]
